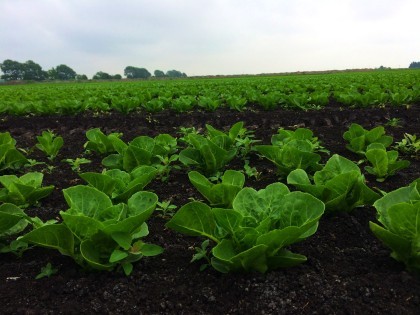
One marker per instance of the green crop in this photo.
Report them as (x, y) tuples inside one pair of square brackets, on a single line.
[(10, 157), (359, 138), (101, 143), (384, 163), (49, 143), (210, 154), (399, 216), (410, 145), (292, 150), (255, 233), (98, 234), (120, 185), (25, 190), (340, 185), (142, 150), (219, 194)]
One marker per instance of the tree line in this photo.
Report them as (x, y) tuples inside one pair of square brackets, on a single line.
[(414, 65), (31, 71)]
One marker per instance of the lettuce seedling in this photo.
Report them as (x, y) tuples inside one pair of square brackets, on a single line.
[(142, 150), (103, 144), (220, 194), (410, 145), (120, 185), (359, 138), (25, 190), (10, 157), (340, 185), (212, 153), (284, 136), (255, 233), (295, 154), (399, 216), (50, 144), (98, 234), (384, 163)]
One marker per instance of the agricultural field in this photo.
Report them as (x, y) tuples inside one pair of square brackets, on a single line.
[(251, 195)]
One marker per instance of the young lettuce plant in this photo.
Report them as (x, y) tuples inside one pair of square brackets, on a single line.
[(340, 185), (384, 163), (142, 150), (25, 190), (210, 154), (254, 234), (399, 216), (98, 234), (10, 157), (103, 144), (120, 185), (291, 155), (284, 136), (220, 194), (410, 145), (50, 144), (359, 138)]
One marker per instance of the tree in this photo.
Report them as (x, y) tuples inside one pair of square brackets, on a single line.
[(159, 74), (12, 70), (81, 77), (33, 71), (175, 74), (117, 77), (136, 73), (414, 65), (29, 70), (62, 72), (102, 76)]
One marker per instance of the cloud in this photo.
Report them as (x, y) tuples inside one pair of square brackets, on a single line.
[(210, 37)]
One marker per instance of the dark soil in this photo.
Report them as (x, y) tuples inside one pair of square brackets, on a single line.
[(348, 270)]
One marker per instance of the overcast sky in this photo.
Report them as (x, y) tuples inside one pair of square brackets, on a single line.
[(211, 37)]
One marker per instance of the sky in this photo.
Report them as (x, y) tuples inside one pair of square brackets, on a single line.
[(211, 37)]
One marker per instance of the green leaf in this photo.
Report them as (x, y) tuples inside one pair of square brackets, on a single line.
[(196, 219), (128, 268), (86, 200), (55, 236), (117, 255), (12, 219), (149, 250)]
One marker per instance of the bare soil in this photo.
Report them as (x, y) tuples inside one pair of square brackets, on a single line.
[(348, 270)]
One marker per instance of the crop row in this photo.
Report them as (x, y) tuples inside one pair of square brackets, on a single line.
[(396, 88), (245, 229)]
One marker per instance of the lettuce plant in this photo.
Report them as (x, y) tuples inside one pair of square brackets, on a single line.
[(49, 143), (291, 155), (410, 145), (284, 136), (25, 190), (101, 143), (210, 154), (255, 233), (220, 194), (10, 157), (399, 229), (98, 234), (384, 163), (340, 185), (120, 185), (359, 138), (142, 150)]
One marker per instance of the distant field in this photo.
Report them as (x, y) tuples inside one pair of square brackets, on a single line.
[(309, 91)]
